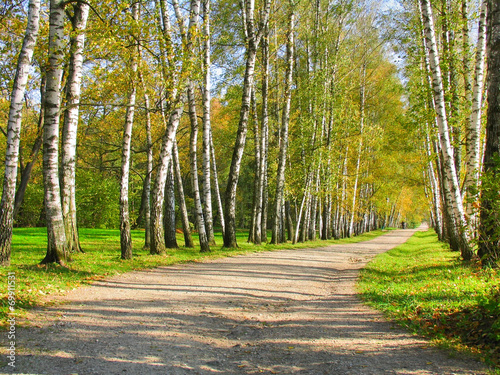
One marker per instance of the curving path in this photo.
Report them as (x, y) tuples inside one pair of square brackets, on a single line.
[(282, 312)]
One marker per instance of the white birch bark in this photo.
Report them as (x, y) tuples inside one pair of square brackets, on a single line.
[(149, 171), (253, 37), (301, 210), (200, 220), (125, 234), (455, 197), (57, 250), (280, 178), (473, 151), (252, 237), (14, 131), (193, 117), (158, 193), (218, 199), (360, 147), (260, 229), (207, 191), (169, 210), (188, 239), (70, 126)]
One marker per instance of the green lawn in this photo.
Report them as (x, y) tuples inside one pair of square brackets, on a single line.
[(33, 282), (427, 288)]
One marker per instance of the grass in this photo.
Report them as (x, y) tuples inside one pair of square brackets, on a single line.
[(34, 282), (427, 288)]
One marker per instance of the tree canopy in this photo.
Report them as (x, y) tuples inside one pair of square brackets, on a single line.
[(307, 119)]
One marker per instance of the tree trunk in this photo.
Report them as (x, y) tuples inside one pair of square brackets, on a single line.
[(234, 171), (454, 197), (70, 126), (146, 196), (169, 212), (35, 149), (473, 152), (125, 234), (158, 193), (280, 178), (220, 210), (261, 198), (14, 131), (200, 220), (253, 40), (361, 125), (57, 250), (253, 236), (188, 239), (489, 244), (207, 192)]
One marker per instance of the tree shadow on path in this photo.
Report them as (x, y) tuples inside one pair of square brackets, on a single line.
[(284, 312)]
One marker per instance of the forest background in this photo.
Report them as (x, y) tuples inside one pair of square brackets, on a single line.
[(309, 119)]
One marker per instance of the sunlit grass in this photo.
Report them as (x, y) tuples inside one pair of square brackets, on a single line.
[(102, 258), (427, 288)]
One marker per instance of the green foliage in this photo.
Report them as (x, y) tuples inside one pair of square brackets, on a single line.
[(31, 214), (489, 229), (425, 287), (97, 200)]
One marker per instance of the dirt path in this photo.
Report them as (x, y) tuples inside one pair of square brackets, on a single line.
[(283, 312)]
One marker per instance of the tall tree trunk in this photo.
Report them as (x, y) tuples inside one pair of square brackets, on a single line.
[(261, 198), (188, 239), (220, 210), (253, 39), (207, 192), (200, 220), (234, 171), (361, 126), (489, 244), (280, 178), (125, 234), (169, 212), (158, 193), (175, 107), (252, 233), (435, 191), (35, 149), (149, 170), (454, 197), (14, 131), (473, 152), (57, 249), (70, 125)]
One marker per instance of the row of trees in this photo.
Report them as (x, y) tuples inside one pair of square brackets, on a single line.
[(446, 71), (331, 152)]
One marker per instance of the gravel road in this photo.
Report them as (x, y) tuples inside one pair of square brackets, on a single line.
[(281, 312)]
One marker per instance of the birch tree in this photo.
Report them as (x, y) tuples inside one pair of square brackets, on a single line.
[(362, 89), (188, 37), (186, 229), (169, 212), (158, 193), (489, 243), (14, 131), (70, 125), (459, 224), (175, 105), (57, 249), (125, 234), (280, 178), (473, 152), (253, 37), (207, 86)]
